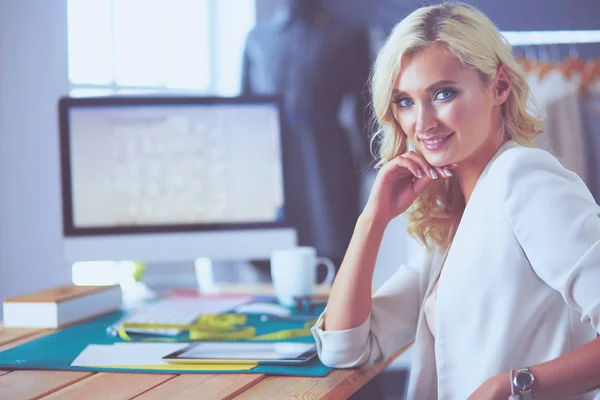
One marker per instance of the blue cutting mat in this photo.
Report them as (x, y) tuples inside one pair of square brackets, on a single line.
[(58, 350)]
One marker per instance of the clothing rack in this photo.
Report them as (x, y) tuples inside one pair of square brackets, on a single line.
[(555, 46), (573, 53)]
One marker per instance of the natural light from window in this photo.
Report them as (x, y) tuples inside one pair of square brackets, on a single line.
[(124, 46)]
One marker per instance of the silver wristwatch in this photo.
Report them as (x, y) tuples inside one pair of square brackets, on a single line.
[(523, 382)]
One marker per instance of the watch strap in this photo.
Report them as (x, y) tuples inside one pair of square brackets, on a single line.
[(526, 395)]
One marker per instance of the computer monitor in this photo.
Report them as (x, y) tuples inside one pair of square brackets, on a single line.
[(171, 179)]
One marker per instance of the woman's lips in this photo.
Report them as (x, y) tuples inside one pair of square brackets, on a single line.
[(436, 143)]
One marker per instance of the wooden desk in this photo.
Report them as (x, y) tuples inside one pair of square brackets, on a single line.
[(22, 384)]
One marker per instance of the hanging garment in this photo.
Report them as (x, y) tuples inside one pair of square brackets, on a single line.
[(314, 67), (564, 135), (591, 117)]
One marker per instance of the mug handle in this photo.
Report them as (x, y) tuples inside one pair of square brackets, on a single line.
[(330, 271)]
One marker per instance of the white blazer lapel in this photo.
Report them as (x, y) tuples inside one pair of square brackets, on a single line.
[(437, 263)]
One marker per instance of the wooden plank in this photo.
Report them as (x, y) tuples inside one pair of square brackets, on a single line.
[(8, 335), (205, 387), (111, 385), (34, 384), (3, 372), (338, 384)]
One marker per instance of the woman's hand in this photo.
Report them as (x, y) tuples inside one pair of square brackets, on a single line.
[(399, 182), (495, 388)]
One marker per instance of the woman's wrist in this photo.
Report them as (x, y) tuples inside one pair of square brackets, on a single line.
[(502, 386), (369, 221)]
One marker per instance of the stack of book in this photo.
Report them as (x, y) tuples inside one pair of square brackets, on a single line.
[(60, 306)]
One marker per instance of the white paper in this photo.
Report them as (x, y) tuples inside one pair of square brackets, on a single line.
[(125, 354)]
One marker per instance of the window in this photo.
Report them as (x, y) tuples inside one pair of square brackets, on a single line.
[(125, 46)]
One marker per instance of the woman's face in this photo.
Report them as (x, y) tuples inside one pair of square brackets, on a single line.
[(444, 108)]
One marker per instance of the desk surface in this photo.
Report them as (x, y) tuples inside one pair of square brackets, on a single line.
[(22, 384)]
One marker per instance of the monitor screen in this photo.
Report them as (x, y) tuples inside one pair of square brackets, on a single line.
[(160, 164)]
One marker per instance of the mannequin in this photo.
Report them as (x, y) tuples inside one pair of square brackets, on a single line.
[(316, 64)]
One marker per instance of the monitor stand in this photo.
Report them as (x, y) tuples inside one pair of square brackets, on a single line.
[(212, 273), (203, 274)]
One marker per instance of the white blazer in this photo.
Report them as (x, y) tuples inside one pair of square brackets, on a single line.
[(520, 284)]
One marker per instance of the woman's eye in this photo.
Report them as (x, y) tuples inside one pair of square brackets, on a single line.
[(404, 103), (445, 94)]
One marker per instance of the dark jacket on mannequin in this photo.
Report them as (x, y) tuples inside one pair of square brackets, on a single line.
[(316, 64)]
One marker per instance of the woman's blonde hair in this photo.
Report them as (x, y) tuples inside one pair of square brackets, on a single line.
[(469, 36)]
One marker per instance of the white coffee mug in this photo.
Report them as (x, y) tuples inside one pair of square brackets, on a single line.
[(294, 272)]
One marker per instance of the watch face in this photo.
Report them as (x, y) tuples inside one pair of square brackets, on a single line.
[(524, 380)]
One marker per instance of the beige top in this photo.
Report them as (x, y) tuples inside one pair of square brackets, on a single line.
[(429, 309)]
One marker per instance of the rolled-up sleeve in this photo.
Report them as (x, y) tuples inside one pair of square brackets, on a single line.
[(390, 325), (557, 223)]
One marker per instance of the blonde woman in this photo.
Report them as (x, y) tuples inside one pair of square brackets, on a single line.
[(506, 296)]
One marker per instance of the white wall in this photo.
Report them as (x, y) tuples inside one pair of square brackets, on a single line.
[(33, 74)]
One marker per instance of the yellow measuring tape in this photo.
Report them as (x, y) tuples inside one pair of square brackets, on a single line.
[(214, 327)]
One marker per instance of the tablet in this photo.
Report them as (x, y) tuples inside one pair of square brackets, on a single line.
[(243, 352)]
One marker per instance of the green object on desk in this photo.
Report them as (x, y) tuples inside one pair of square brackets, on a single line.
[(58, 350)]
